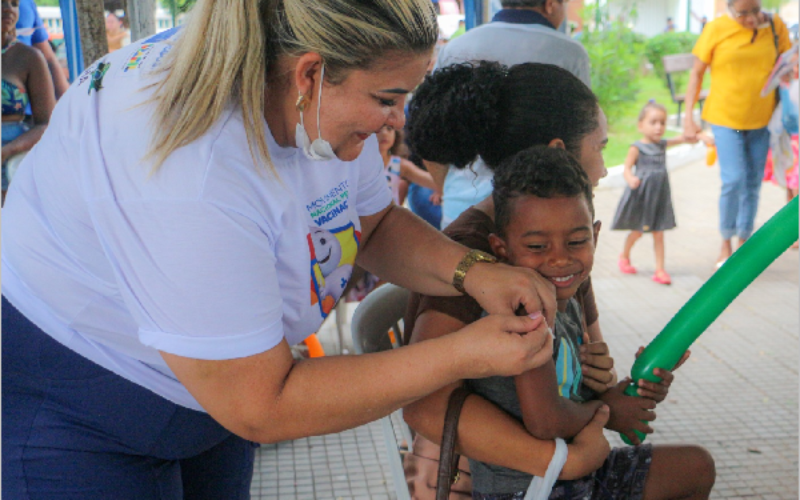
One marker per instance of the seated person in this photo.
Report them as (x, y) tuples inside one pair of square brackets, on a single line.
[(544, 221), (26, 79)]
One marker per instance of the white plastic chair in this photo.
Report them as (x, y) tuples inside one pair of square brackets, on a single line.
[(380, 312)]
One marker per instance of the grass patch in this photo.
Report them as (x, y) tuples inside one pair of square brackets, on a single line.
[(623, 133)]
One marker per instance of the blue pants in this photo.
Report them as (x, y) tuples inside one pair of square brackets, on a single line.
[(74, 430), (742, 155), (420, 204)]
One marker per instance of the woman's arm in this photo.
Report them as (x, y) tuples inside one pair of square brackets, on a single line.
[(270, 397), (403, 249), (42, 96), (487, 433), (690, 129), (414, 174)]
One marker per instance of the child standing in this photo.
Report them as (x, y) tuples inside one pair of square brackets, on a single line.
[(646, 205), (545, 221)]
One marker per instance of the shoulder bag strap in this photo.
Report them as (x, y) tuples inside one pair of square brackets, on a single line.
[(448, 460)]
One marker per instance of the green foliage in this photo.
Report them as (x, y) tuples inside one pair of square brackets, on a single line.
[(181, 6), (616, 54), (667, 44)]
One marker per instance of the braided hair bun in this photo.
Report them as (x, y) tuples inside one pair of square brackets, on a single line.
[(454, 112)]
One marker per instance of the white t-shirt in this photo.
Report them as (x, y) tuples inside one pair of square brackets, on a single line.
[(211, 257), (511, 44)]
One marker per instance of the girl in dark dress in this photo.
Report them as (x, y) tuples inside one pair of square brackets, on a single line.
[(646, 205)]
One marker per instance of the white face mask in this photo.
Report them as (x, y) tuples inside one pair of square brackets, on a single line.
[(320, 149)]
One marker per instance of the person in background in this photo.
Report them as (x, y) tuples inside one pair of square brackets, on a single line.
[(782, 160), (26, 81), (670, 27), (116, 32), (646, 204), (400, 171), (523, 31), (740, 49), (31, 31)]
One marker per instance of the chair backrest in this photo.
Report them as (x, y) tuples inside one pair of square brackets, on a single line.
[(678, 62), (379, 313)]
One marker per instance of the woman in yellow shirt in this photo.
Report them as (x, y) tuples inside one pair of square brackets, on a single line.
[(740, 48)]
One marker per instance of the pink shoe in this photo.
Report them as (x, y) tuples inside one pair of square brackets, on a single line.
[(625, 266), (662, 277)]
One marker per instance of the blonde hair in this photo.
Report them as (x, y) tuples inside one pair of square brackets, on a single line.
[(229, 47)]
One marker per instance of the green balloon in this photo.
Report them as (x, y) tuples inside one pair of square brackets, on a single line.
[(744, 266)]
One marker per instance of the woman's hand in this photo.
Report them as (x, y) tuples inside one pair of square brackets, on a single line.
[(657, 391), (628, 413), (596, 365), (588, 449), (504, 345), (502, 289)]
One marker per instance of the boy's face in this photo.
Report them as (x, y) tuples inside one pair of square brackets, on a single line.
[(553, 236)]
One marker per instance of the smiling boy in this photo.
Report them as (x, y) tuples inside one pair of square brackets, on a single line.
[(545, 221)]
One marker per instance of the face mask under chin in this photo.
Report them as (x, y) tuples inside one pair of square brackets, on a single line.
[(319, 149)]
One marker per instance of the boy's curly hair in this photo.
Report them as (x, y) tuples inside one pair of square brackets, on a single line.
[(539, 171)]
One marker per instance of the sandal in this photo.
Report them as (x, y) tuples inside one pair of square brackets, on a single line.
[(662, 278), (625, 266)]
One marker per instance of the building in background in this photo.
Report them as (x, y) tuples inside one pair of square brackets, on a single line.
[(652, 14)]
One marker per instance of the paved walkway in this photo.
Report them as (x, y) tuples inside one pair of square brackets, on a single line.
[(737, 395)]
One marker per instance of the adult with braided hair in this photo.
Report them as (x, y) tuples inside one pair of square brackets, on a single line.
[(523, 31), (496, 112), (184, 219)]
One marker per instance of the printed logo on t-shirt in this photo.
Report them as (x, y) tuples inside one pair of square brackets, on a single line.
[(161, 55), (333, 254), (160, 37), (138, 57), (331, 205), (97, 77)]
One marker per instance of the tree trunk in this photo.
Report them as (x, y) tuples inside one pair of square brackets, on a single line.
[(142, 15), (92, 26)]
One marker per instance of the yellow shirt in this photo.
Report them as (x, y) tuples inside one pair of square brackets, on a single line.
[(739, 67)]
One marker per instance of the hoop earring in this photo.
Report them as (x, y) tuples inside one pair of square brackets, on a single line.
[(302, 102)]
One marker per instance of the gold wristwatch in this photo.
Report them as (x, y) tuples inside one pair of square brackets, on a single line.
[(472, 258)]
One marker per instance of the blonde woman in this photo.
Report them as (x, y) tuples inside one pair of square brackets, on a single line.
[(195, 207)]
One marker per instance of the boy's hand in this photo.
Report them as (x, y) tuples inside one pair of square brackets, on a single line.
[(596, 365), (628, 413), (657, 391)]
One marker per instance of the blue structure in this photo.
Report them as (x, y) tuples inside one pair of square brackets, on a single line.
[(72, 38)]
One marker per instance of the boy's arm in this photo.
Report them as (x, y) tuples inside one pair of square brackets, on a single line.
[(489, 434), (545, 413)]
